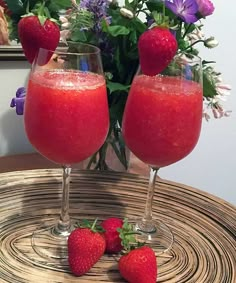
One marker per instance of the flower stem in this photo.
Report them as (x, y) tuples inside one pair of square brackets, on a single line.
[(190, 46), (186, 30)]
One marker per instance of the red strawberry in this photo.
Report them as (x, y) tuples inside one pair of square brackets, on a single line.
[(113, 241), (35, 34), (85, 248), (139, 266), (157, 47)]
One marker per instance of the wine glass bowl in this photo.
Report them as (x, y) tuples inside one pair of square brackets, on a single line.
[(161, 125), (66, 120)]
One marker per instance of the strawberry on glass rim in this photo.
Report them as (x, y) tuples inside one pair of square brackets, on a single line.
[(38, 31), (157, 47)]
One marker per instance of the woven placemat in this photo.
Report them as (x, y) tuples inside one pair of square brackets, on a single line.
[(204, 226)]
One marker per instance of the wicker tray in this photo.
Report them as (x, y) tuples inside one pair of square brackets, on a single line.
[(204, 226)]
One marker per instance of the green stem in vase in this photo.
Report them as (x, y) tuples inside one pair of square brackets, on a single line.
[(102, 158)]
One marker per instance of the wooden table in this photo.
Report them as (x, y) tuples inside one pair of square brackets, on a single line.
[(204, 226)]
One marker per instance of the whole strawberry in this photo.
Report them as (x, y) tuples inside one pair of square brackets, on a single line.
[(139, 265), (37, 32), (157, 47), (113, 240), (86, 245)]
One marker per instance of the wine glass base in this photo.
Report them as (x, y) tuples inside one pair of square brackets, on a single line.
[(50, 244), (159, 238)]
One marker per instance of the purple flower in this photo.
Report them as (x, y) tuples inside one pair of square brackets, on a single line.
[(185, 9), (98, 8), (205, 7), (19, 101)]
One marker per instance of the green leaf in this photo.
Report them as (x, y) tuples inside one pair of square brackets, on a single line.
[(78, 35), (155, 5), (104, 25), (138, 25), (113, 86), (16, 6), (189, 28), (54, 7), (62, 4), (133, 37), (118, 30), (209, 90)]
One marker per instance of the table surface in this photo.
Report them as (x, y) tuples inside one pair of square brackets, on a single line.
[(204, 226)]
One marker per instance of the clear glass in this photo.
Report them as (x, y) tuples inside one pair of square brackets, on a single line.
[(161, 125), (66, 119)]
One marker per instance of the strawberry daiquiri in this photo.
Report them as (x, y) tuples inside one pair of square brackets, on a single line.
[(66, 114), (162, 119)]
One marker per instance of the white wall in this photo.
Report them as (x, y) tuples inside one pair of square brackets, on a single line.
[(211, 166), (12, 135)]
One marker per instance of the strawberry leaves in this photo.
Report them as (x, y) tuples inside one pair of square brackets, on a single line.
[(90, 225)]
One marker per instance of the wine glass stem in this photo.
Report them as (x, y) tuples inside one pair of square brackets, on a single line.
[(64, 223), (147, 223)]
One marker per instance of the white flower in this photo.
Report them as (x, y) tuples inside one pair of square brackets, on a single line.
[(216, 108), (225, 87), (74, 4), (206, 116), (63, 19), (65, 23), (126, 13), (211, 42), (64, 35), (112, 2), (222, 92), (197, 34)]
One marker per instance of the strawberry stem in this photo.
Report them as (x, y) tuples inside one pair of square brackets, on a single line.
[(94, 224), (191, 45)]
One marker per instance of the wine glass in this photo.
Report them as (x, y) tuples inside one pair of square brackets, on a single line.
[(161, 125), (66, 119)]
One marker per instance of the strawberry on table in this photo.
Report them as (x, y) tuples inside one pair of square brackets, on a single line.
[(37, 31), (139, 266), (157, 47), (113, 240), (138, 262), (86, 245)]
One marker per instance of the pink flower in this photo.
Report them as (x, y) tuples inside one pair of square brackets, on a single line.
[(205, 7)]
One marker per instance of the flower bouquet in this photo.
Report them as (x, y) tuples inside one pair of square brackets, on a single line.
[(116, 28)]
